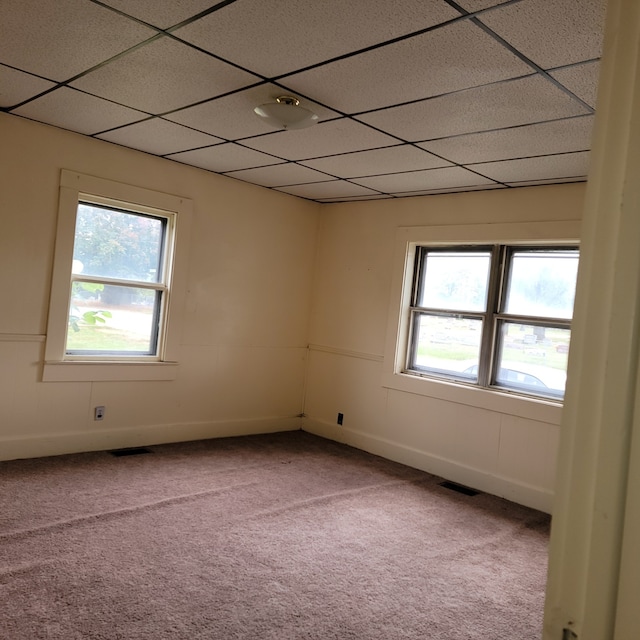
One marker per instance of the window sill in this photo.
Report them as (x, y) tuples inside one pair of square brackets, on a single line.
[(541, 409), (108, 371)]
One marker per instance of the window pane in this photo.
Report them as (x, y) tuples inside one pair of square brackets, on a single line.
[(533, 358), (107, 319), (447, 344), (117, 244), (542, 283), (455, 280)]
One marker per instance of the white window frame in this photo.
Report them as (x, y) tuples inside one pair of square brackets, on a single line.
[(74, 189), (395, 376)]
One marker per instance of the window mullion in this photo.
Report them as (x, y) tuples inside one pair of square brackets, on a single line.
[(489, 326)]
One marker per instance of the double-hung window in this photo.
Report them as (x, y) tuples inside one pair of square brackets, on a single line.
[(496, 316), (119, 282), (120, 278)]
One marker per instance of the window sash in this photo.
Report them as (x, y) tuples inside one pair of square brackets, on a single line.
[(413, 358), (554, 380), (509, 255), (153, 334), (420, 273), (122, 210)]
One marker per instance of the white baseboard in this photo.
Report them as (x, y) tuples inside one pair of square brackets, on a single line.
[(58, 444), (521, 493), (76, 442)]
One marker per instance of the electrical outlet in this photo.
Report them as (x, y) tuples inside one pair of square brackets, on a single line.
[(340, 418), (98, 413)]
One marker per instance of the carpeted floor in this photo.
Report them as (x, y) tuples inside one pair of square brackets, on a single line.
[(283, 536)]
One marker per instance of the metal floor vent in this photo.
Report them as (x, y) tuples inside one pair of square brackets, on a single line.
[(131, 451), (468, 491)]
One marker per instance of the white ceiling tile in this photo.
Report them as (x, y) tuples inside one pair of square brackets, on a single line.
[(572, 134), (16, 86), (78, 111), (542, 168), (62, 38), (504, 104), (162, 76), (448, 59), (581, 79), (332, 189), (232, 116), (367, 163), (161, 13), (325, 138), (225, 157), (418, 71), (449, 177), (279, 175), (551, 33), (293, 35), (479, 5), (159, 137)]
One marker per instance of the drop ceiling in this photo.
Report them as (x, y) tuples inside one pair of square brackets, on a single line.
[(413, 96)]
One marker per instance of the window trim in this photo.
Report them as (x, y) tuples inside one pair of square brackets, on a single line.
[(407, 240), (74, 188)]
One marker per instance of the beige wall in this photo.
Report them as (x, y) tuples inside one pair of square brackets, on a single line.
[(269, 274), (501, 445), (244, 335)]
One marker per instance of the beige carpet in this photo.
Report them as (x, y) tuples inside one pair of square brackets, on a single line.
[(267, 537)]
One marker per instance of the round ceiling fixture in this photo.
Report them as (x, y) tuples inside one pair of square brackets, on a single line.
[(286, 113)]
